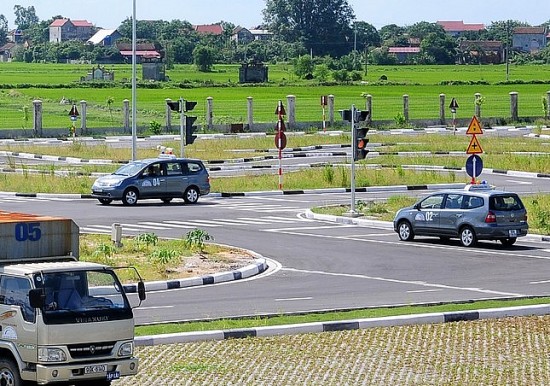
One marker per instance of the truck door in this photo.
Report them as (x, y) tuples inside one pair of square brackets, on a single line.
[(17, 317)]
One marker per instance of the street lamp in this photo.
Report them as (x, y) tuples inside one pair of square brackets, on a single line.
[(134, 86)]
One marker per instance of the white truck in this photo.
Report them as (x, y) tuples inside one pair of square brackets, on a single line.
[(62, 321)]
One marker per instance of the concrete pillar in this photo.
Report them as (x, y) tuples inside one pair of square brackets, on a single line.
[(291, 111), (210, 112), (406, 107), (126, 115), (83, 115), (477, 104), (368, 107), (330, 104), (250, 112), (168, 115), (548, 104), (442, 109), (37, 121), (514, 106)]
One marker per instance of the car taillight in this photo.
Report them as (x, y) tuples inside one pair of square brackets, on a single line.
[(490, 218)]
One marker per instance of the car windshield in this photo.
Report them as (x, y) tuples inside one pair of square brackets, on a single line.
[(93, 295), (130, 169)]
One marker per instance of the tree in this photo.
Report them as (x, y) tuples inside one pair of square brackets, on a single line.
[(421, 29), (3, 29), (304, 66), (441, 48), (367, 35), (25, 17), (203, 57), (324, 26)]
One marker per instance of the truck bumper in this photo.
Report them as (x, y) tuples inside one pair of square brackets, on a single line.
[(72, 372)]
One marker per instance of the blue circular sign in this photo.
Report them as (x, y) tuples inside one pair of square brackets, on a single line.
[(470, 165)]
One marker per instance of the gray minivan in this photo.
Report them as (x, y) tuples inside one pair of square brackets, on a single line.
[(164, 178), (476, 213)]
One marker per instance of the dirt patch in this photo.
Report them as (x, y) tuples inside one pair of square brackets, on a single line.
[(199, 265)]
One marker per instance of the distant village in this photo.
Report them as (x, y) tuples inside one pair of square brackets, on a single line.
[(523, 40)]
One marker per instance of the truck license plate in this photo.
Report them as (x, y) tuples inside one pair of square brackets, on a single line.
[(95, 369), (512, 233)]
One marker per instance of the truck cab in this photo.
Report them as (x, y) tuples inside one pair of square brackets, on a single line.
[(62, 320)]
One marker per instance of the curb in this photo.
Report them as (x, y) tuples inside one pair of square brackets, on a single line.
[(344, 325)]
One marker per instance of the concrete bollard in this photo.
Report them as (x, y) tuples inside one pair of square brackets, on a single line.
[(37, 121), (210, 112), (406, 107), (514, 106), (126, 115), (83, 115), (442, 109), (291, 111)]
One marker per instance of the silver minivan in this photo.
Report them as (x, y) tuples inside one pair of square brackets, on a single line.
[(476, 213), (164, 178)]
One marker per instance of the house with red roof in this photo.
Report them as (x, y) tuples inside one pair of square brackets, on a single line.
[(457, 28), (209, 29), (62, 30)]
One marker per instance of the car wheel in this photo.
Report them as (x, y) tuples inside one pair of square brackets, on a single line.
[(130, 197), (9, 373), (508, 242), (468, 237), (404, 230), (166, 200), (105, 201), (191, 195)]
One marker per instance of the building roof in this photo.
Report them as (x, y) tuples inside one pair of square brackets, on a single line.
[(404, 50), (530, 30), (76, 23), (100, 35), (459, 26), (7, 46), (213, 29), (139, 46), (144, 54)]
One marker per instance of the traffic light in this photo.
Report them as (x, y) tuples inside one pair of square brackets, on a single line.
[(190, 129), (360, 150), (174, 106), (346, 115), (188, 105)]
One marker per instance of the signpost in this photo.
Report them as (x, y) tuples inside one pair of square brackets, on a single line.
[(474, 164), (454, 106), (280, 138), (324, 103)]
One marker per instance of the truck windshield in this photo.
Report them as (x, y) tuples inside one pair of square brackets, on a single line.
[(82, 297)]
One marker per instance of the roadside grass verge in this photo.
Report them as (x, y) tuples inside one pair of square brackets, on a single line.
[(262, 321)]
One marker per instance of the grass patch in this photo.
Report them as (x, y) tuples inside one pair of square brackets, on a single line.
[(259, 321)]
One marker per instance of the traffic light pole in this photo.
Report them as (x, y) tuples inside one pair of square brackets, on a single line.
[(182, 128), (352, 211)]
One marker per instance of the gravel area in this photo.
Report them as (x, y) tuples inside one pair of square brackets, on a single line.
[(509, 351)]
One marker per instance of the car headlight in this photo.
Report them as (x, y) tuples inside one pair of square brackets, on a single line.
[(51, 354), (126, 349)]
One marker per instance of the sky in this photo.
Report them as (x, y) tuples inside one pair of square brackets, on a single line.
[(248, 13)]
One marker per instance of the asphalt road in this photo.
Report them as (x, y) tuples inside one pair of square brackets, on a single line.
[(316, 265)]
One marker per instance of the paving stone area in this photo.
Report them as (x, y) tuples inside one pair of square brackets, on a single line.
[(510, 351)]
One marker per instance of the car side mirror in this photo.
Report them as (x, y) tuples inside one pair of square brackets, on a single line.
[(141, 290), (36, 298), (417, 206)]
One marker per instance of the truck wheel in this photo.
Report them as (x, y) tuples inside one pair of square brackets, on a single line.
[(130, 197), (9, 373), (191, 195)]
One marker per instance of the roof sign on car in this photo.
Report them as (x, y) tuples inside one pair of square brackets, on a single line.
[(483, 186)]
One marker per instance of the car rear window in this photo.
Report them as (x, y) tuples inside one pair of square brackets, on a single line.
[(505, 202)]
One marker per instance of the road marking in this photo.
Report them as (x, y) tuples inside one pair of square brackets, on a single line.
[(421, 291), (540, 282), (520, 182), (293, 299), (153, 308), (408, 282)]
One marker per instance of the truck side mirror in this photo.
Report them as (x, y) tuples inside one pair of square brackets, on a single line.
[(36, 298), (141, 290)]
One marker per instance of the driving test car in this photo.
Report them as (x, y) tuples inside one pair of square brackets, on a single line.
[(164, 178), (478, 212)]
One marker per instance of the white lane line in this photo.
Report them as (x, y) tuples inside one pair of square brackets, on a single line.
[(293, 299), (520, 182), (422, 291), (194, 223), (540, 282), (408, 282), (153, 308)]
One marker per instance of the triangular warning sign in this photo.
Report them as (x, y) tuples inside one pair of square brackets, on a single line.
[(73, 112), (475, 127), (474, 147)]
